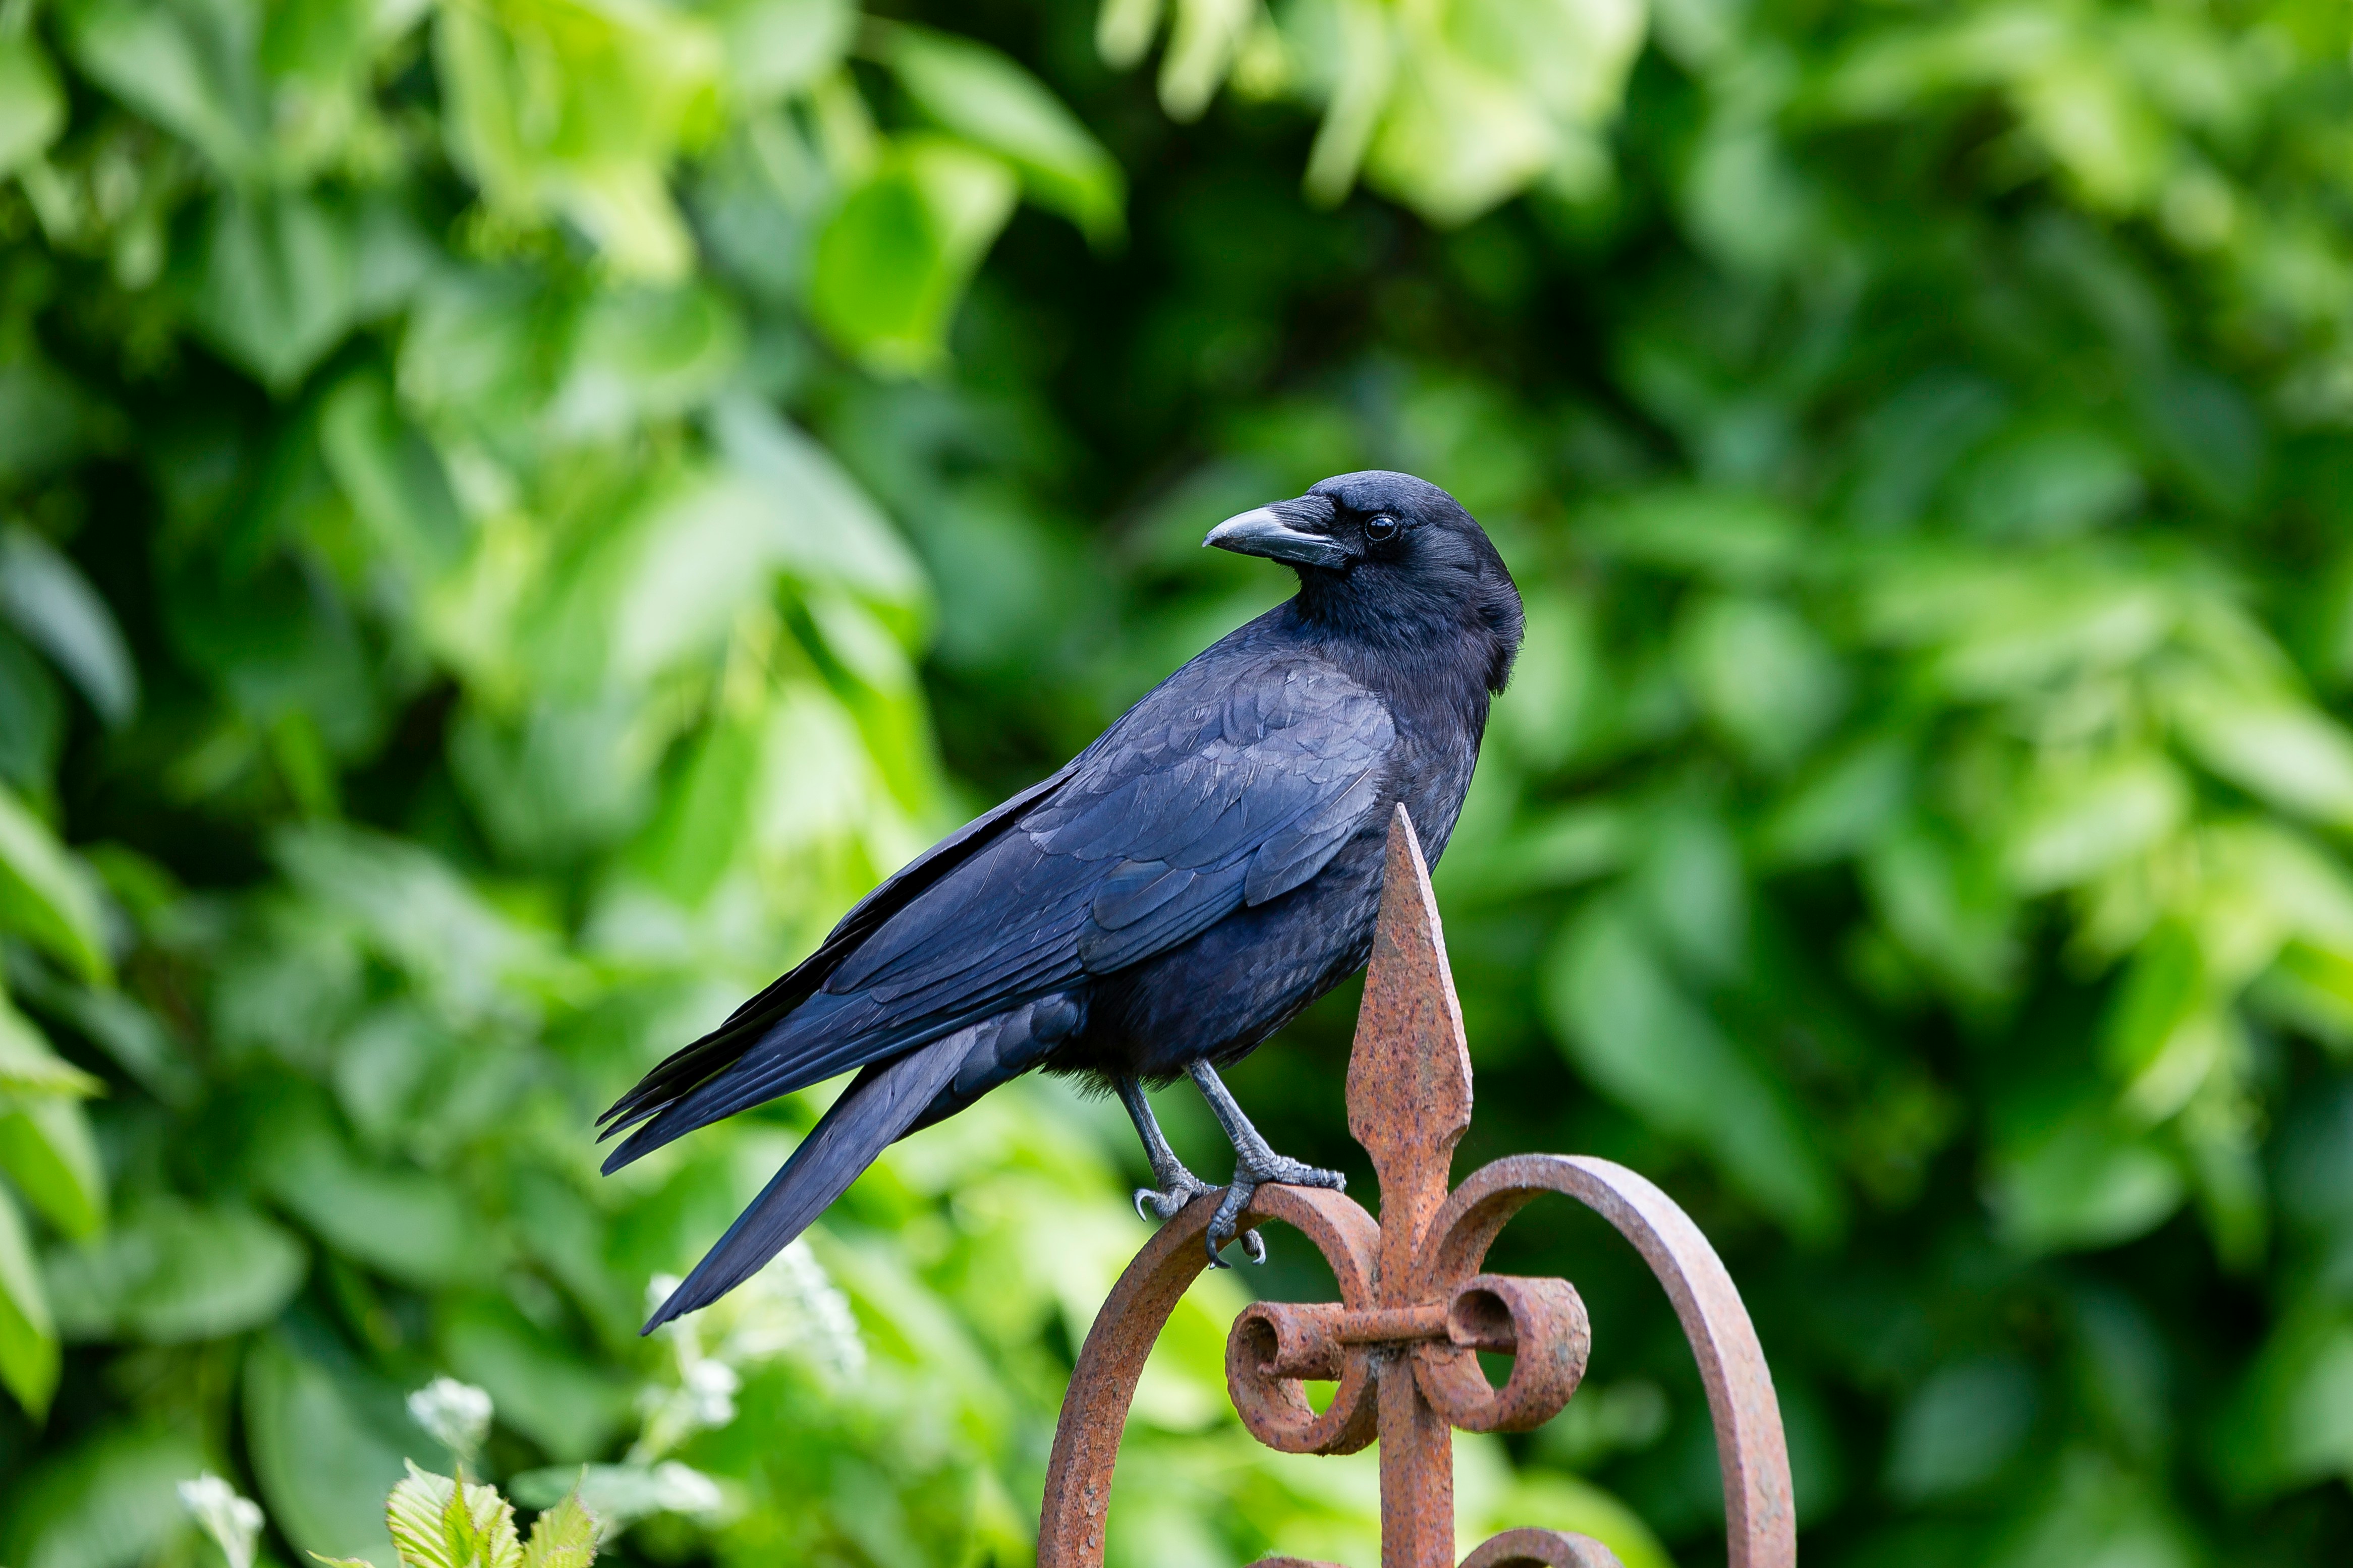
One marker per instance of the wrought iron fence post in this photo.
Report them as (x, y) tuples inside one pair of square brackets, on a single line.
[(1415, 1310)]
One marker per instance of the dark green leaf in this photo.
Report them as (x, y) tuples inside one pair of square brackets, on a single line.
[(325, 1450), (109, 1501)]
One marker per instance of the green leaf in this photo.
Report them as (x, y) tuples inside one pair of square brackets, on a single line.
[(2093, 1510), (619, 1495), (825, 525), (1202, 44), (1948, 909), (542, 1388), (892, 262), (324, 1449), (279, 283), (778, 47), (30, 1067), (1457, 136), (28, 1341), (32, 716), (112, 1500), (171, 1271), (1763, 675), (643, 353), (1961, 1427), (32, 104), (2073, 824), (1841, 806), (573, 108), (2081, 1179), (44, 896), (1630, 1027), (1364, 52), (563, 1536), (433, 1524), (985, 98), (1731, 538), (188, 66), (2159, 1015), (2290, 1423), (52, 603), (46, 1150), (412, 1226), (2280, 751), (394, 478), (128, 1033)]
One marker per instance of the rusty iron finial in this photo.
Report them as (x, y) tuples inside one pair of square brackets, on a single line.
[(1402, 1341)]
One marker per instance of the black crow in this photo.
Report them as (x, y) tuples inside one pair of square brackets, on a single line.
[(1205, 868)]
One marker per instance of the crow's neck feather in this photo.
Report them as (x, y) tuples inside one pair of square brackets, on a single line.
[(1465, 643)]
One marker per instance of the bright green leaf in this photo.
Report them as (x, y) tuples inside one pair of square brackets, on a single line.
[(988, 99), (2283, 751), (779, 47), (433, 1524), (892, 262), (32, 104), (46, 1150), (2072, 827), (44, 896), (30, 1067), (575, 109), (28, 1341), (563, 1536)]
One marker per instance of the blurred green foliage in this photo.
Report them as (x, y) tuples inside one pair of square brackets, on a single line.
[(505, 506)]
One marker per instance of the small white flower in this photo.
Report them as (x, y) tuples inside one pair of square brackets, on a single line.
[(230, 1519), (679, 1489), (710, 1388), (458, 1414)]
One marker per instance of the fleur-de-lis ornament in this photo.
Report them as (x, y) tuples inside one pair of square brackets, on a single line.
[(1415, 1309)]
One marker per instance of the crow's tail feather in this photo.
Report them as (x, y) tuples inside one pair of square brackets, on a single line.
[(881, 1103)]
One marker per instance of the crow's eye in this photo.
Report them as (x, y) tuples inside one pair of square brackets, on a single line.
[(1382, 529)]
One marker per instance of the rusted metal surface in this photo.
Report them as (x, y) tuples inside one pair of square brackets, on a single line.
[(1760, 1526), (1543, 1323), (1402, 1341), (1542, 1549)]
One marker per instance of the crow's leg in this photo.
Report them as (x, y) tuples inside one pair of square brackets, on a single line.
[(1255, 1164), (1172, 1186)]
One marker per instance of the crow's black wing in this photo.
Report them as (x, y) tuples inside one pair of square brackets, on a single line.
[(689, 1065), (1235, 781)]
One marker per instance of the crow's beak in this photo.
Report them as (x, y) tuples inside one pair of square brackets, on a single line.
[(1289, 531)]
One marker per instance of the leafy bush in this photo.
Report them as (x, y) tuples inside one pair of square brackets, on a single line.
[(454, 461)]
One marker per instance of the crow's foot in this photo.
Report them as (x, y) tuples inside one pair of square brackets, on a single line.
[(1169, 1200), (1255, 1169), (1178, 1187)]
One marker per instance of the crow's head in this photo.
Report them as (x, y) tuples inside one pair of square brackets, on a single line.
[(1391, 559)]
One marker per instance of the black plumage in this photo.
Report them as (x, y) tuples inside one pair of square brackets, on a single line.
[(1178, 891)]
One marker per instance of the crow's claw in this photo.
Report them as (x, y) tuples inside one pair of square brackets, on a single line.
[(1248, 1176), (1181, 1187), (1168, 1202)]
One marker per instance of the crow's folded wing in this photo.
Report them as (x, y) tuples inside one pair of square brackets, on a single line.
[(1234, 782), (683, 1069)]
